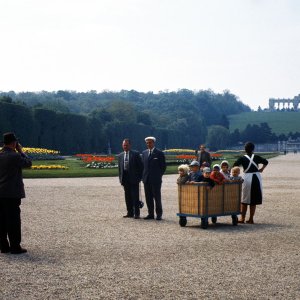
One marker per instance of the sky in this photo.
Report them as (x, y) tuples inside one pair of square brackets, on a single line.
[(249, 47)]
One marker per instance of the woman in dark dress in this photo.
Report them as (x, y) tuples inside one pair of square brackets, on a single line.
[(252, 185)]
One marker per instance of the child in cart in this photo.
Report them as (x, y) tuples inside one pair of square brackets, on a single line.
[(225, 169), (183, 174), (216, 175), (206, 178), (204, 165), (195, 175), (235, 174)]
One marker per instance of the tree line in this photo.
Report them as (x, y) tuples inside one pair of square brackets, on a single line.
[(75, 122)]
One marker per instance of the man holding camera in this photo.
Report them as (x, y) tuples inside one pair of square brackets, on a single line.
[(12, 160)]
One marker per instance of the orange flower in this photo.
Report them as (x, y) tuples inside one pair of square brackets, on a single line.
[(185, 156), (216, 154)]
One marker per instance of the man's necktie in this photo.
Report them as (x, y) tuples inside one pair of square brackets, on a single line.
[(150, 152), (126, 165)]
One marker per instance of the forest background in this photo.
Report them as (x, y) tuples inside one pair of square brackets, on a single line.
[(90, 122)]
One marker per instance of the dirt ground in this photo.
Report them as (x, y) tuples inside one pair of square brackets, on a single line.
[(80, 246)]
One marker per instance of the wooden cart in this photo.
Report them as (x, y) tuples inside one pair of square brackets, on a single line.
[(199, 201)]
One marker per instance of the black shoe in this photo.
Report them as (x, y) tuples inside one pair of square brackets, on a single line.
[(149, 218), (128, 216), (5, 250), (158, 218), (18, 251), (137, 217)]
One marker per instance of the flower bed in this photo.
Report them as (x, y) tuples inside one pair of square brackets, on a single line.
[(49, 167), (101, 165), (42, 154), (185, 156), (181, 159), (98, 161), (89, 158), (177, 156)]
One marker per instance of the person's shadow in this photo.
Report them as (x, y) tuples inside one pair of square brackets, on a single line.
[(32, 256)]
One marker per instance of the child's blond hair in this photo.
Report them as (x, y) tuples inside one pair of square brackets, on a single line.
[(184, 168), (234, 169)]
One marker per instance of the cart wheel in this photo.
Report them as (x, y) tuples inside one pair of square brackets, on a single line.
[(214, 220), (234, 220), (204, 223), (182, 221)]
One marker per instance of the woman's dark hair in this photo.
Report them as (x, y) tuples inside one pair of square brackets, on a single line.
[(249, 147)]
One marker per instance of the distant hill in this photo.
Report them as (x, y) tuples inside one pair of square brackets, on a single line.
[(279, 122)]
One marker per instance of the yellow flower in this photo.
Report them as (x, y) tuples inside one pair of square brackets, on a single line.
[(49, 167), (39, 151)]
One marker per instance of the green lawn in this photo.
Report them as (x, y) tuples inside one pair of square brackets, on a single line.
[(77, 168), (279, 122)]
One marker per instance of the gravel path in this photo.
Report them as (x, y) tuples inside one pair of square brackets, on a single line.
[(80, 247)]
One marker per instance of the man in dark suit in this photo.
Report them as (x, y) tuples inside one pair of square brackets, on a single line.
[(204, 156), (130, 175), (11, 193), (154, 168)]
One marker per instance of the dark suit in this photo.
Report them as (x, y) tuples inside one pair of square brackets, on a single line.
[(204, 156), (154, 168), (130, 180), (11, 192)]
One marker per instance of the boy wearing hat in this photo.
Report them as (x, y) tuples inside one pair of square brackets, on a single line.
[(206, 177), (12, 160), (195, 175)]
